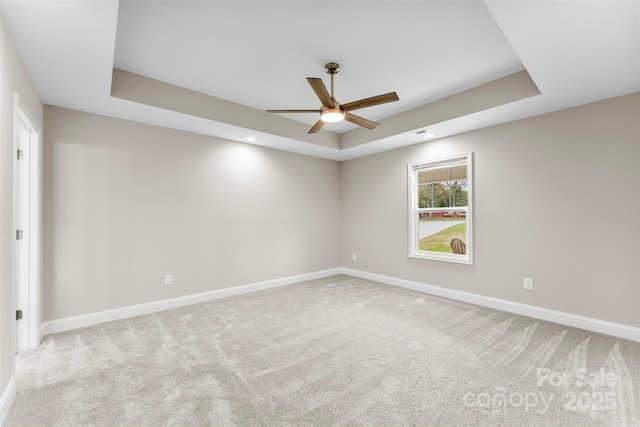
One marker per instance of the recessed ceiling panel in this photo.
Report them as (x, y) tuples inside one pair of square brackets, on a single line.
[(259, 53)]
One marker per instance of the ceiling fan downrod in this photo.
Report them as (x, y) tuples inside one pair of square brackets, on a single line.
[(332, 68)]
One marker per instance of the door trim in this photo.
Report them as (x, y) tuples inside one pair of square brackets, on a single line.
[(34, 305)]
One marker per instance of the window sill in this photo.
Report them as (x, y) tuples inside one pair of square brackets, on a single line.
[(436, 256)]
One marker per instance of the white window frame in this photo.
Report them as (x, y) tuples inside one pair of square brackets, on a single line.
[(414, 210)]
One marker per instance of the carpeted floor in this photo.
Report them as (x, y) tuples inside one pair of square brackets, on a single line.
[(335, 351)]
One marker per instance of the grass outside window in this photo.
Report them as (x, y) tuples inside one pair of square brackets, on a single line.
[(440, 242)]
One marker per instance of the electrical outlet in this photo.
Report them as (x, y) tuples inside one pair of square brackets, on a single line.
[(168, 279), (354, 257), (528, 284)]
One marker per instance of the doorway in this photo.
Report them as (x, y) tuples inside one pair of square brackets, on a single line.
[(27, 220)]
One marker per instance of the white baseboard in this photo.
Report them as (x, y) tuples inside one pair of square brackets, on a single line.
[(6, 400), (75, 322), (574, 320)]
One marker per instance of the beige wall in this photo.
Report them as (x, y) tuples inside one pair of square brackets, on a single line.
[(127, 203), (557, 198), (13, 78)]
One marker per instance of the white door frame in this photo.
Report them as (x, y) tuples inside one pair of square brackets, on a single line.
[(33, 313)]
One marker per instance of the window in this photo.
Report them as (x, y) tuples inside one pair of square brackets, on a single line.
[(440, 209)]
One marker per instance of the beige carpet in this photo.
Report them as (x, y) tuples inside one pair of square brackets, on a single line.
[(336, 351)]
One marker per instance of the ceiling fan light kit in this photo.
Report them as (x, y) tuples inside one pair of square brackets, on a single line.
[(332, 111), (332, 115)]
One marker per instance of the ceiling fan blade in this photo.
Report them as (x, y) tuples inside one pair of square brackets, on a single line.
[(293, 111), (321, 91), (369, 102), (316, 127), (359, 121)]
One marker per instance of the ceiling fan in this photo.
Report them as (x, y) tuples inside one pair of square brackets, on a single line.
[(332, 110)]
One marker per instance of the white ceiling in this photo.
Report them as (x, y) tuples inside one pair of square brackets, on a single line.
[(258, 54)]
